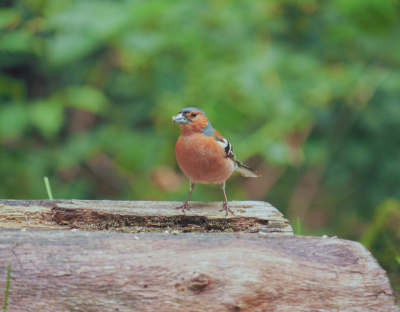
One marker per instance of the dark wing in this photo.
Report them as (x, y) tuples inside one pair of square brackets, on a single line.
[(242, 169), (226, 146)]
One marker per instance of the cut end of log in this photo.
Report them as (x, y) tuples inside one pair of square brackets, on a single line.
[(142, 216)]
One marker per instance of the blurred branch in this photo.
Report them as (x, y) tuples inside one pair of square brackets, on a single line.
[(258, 188), (82, 120), (309, 183), (106, 169), (304, 194), (363, 92)]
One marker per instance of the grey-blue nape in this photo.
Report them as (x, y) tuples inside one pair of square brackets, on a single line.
[(208, 130)]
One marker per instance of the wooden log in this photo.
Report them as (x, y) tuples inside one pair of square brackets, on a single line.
[(97, 271), (139, 216)]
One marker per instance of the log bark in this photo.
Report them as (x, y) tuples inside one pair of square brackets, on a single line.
[(97, 271), (139, 216)]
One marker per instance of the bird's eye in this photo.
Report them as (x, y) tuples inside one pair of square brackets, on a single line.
[(194, 115)]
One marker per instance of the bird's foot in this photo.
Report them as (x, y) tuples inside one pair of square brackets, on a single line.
[(225, 207), (184, 206)]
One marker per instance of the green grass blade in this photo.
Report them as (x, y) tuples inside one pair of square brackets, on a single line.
[(298, 226), (394, 250), (48, 188), (7, 287)]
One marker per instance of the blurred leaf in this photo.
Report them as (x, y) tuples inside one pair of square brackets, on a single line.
[(388, 209), (131, 149), (16, 41), (372, 15), (47, 116), (276, 153), (67, 48), (88, 98), (392, 84), (76, 150), (99, 19), (83, 27), (11, 88), (8, 16), (13, 120), (142, 42)]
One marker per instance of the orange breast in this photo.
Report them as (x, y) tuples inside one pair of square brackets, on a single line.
[(202, 159)]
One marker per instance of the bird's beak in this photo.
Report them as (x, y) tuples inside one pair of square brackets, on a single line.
[(180, 119)]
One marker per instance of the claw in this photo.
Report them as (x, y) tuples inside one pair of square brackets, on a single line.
[(226, 208), (184, 206)]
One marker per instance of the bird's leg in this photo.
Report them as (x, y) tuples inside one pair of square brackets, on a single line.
[(185, 203), (225, 205)]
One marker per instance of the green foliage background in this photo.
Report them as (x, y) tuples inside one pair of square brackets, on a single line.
[(306, 91)]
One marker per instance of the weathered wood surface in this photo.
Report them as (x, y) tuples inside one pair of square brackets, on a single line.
[(97, 271), (138, 216)]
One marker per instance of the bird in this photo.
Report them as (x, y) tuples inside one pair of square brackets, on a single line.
[(204, 155)]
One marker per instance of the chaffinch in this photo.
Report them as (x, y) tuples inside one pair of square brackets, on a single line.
[(204, 155)]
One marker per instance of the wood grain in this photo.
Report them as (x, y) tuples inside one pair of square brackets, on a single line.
[(139, 216), (97, 271)]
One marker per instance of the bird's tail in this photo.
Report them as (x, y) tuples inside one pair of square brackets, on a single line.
[(246, 171)]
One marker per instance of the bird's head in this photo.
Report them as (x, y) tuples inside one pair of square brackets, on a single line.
[(193, 120)]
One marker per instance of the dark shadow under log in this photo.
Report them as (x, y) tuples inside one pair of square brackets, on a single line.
[(92, 271)]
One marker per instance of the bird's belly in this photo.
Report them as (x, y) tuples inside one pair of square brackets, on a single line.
[(204, 164)]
